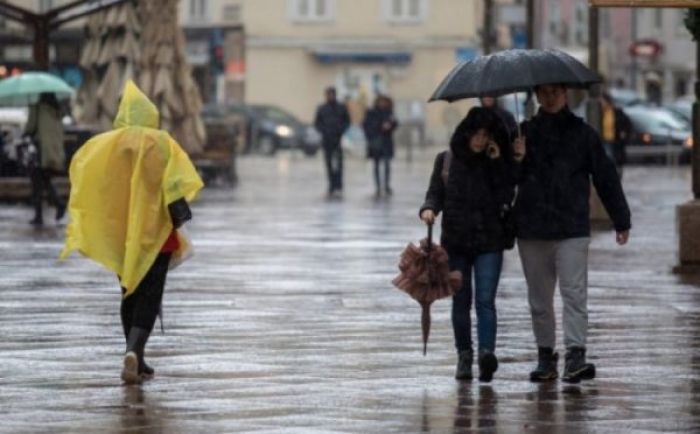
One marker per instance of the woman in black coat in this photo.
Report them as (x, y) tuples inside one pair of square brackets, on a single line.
[(473, 187), (379, 126)]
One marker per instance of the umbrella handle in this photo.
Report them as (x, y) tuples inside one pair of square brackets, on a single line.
[(517, 115), (430, 236)]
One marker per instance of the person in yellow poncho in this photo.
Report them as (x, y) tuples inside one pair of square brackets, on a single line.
[(130, 189)]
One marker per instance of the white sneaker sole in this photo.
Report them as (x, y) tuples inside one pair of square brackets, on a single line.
[(130, 370)]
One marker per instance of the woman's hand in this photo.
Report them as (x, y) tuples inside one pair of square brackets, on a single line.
[(519, 149), (492, 150), (428, 216)]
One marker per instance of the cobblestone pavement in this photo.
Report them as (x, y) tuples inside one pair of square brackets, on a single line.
[(285, 321)]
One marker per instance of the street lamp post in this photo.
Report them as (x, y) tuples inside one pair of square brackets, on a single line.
[(696, 127), (593, 107), (488, 26)]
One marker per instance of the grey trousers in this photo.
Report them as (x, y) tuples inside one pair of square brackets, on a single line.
[(545, 262)]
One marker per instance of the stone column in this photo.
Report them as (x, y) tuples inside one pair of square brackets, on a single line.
[(688, 214)]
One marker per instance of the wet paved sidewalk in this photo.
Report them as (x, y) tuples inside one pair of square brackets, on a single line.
[(285, 322)]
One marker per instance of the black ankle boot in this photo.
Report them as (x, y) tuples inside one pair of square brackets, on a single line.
[(546, 365), (576, 368), (464, 365), (488, 364)]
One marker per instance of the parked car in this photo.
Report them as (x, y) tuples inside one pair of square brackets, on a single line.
[(270, 128), (658, 135), (625, 97), (683, 108)]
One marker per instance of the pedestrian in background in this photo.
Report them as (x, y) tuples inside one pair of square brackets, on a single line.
[(471, 184), (552, 217), (127, 220), (332, 119), (379, 126), (616, 131), (45, 127)]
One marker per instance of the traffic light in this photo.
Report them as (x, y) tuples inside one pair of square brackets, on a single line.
[(216, 53)]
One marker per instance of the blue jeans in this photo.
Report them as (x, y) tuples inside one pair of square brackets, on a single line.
[(487, 271)]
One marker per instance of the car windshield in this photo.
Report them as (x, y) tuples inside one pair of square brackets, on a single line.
[(656, 120), (274, 114)]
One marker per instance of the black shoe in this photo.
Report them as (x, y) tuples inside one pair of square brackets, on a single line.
[(145, 371), (389, 191), (60, 211), (546, 365), (576, 368), (37, 221), (488, 364), (464, 365)]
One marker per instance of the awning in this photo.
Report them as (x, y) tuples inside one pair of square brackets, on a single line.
[(341, 56)]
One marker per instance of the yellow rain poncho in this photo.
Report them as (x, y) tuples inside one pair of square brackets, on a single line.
[(121, 184)]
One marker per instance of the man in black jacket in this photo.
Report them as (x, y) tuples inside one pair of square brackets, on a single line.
[(563, 155), (332, 119)]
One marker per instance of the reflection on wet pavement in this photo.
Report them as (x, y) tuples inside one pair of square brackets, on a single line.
[(285, 321)]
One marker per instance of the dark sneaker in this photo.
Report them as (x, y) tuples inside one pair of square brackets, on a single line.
[(146, 372), (546, 365), (389, 191), (488, 364), (576, 368), (464, 365), (37, 221)]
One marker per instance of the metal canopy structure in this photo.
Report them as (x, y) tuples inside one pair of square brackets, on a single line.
[(44, 23)]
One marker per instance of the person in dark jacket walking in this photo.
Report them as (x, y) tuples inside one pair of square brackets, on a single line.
[(471, 185), (332, 119), (379, 126), (552, 218), (617, 130)]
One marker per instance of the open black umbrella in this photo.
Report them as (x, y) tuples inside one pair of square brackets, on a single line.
[(511, 71)]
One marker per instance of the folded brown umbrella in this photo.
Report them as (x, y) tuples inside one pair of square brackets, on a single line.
[(426, 277)]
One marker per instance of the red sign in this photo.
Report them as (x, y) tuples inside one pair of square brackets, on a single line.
[(646, 48)]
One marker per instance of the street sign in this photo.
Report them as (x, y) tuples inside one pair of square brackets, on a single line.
[(646, 3), (646, 48)]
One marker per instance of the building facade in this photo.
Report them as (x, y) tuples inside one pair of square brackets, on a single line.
[(661, 69), (292, 49)]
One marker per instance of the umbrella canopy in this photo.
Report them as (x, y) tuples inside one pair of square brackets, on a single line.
[(426, 277), (511, 71), (25, 88)]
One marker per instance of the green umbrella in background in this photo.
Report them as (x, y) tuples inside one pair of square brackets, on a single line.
[(25, 88)]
